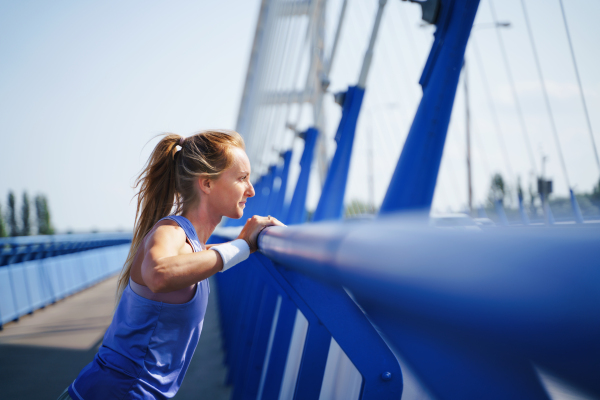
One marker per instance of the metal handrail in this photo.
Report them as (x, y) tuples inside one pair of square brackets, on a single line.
[(529, 294)]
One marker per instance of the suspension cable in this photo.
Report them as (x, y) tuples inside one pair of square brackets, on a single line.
[(546, 98), (513, 88), (496, 121), (585, 109), (279, 53)]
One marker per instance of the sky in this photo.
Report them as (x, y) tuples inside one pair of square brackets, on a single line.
[(392, 96), (85, 87)]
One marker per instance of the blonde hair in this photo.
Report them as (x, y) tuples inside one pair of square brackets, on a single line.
[(168, 181)]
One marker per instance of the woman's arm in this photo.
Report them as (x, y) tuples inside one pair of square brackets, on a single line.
[(166, 269)]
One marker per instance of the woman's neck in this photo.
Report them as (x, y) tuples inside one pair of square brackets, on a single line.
[(203, 221)]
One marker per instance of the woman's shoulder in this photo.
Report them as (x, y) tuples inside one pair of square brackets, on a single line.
[(166, 230)]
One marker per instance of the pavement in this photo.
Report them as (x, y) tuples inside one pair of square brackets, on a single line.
[(42, 353)]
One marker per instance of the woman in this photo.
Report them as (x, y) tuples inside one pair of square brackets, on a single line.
[(163, 288)]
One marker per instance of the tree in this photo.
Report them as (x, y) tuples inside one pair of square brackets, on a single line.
[(498, 189), (13, 227), (25, 216), (3, 232), (43, 215), (595, 196)]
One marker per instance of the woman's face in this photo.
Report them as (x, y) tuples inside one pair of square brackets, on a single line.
[(233, 187)]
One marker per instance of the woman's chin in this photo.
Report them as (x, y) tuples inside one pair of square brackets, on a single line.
[(239, 213)]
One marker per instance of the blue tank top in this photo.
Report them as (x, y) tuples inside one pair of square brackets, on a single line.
[(148, 346)]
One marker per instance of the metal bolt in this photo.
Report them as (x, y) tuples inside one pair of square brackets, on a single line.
[(386, 376)]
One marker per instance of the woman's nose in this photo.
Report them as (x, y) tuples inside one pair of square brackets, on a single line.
[(250, 191)]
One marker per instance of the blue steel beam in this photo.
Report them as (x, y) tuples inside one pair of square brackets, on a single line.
[(415, 176), (279, 206), (262, 200), (275, 189), (331, 202), (509, 295), (297, 211)]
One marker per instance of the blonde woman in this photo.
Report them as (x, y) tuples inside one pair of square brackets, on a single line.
[(187, 186)]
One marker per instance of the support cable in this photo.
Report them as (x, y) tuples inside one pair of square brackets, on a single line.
[(546, 98), (272, 26), (269, 143), (495, 119), (583, 102), (278, 58), (296, 75), (513, 88)]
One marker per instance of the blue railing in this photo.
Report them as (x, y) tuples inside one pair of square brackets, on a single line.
[(283, 335), (26, 248), (39, 270), (476, 314)]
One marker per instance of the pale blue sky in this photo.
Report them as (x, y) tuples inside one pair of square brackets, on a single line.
[(84, 85)]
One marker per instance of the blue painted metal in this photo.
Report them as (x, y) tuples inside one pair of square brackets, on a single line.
[(522, 211), (331, 202), (297, 211), (415, 176), (29, 285), (275, 189), (509, 295), (279, 209), (27, 248), (314, 359), (547, 210), (259, 344), (330, 312), (500, 212), (279, 349), (262, 201), (575, 206)]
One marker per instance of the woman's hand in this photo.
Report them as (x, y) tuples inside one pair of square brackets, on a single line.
[(253, 227)]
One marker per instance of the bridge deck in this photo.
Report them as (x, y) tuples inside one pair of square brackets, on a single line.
[(43, 352)]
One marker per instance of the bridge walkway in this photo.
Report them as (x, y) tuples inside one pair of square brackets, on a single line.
[(42, 353)]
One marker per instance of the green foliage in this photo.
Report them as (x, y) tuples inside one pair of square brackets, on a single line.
[(25, 216), (3, 232), (498, 189), (595, 195), (43, 215), (356, 208), (13, 227)]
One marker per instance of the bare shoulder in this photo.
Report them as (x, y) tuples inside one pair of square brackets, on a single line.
[(167, 234)]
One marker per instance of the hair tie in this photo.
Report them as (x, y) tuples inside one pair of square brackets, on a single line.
[(181, 141)]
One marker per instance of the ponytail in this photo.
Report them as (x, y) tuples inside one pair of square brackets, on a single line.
[(155, 200)]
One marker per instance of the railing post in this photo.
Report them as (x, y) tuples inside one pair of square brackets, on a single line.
[(279, 208), (575, 206), (262, 201), (331, 202), (524, 217), (297, 211), (415, 176)]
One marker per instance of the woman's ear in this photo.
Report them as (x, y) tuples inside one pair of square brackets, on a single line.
[(205, 185)]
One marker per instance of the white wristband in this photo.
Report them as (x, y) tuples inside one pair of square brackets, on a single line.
[(232, 252)]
